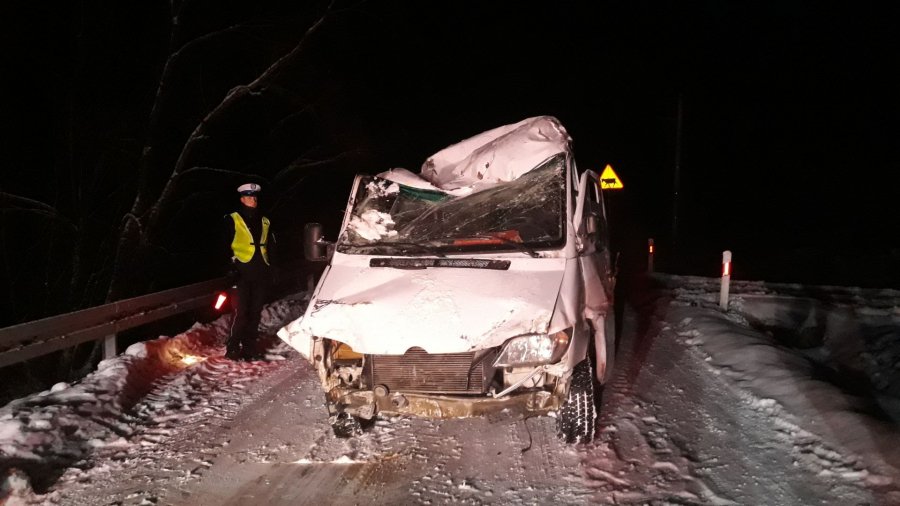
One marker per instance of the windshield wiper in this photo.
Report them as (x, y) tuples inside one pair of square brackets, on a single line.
[(403, 247), (474, 240)]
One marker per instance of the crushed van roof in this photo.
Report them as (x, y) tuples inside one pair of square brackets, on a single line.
[(499, 155)]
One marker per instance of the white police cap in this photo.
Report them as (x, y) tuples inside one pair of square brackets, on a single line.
[(249, 189)]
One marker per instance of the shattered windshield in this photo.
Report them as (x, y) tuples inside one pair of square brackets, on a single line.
[(525, 214)]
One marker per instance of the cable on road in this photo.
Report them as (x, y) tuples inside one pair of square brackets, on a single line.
[(530, 440)]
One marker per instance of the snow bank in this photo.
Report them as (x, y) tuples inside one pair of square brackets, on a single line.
[(817, 359), (43, 434)]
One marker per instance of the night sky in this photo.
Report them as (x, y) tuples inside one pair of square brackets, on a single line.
[(788, 145)]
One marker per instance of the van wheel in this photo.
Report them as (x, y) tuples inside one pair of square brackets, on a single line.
[(577, 418)]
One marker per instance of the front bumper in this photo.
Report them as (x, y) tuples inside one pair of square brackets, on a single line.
[(366, 404)]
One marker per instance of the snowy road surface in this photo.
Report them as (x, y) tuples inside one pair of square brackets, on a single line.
[(788, 398)]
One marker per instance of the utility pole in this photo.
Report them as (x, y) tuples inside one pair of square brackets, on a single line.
[(677, 172)]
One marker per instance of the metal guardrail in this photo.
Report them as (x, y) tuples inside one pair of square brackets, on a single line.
[(36, 338), (40, 337)]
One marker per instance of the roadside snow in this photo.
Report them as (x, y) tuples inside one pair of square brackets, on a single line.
[(789, 397), (43, 435), (820, 362)]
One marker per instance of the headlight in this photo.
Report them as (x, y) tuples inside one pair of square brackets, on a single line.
[(534, 349)]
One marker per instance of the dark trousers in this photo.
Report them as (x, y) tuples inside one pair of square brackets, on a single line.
[(249, 300)]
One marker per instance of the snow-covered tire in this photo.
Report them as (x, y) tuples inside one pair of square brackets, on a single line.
[(577, 418)]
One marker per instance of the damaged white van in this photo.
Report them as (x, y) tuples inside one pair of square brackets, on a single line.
[(482, 283)]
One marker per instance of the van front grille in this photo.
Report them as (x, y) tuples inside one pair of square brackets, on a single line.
[(422, 372)]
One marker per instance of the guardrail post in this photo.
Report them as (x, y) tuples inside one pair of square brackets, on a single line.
[(726, 279), (650, 251), (109, 347)]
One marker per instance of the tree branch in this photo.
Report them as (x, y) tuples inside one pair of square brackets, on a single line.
[(209, 170), (21, 204), (232, 97)]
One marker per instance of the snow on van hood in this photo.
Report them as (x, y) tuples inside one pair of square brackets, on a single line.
[(384, 310)]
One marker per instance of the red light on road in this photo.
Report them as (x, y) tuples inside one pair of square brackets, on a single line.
[(220, 300)]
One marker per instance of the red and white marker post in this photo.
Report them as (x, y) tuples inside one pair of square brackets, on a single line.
[(726, 279), (650, 251)]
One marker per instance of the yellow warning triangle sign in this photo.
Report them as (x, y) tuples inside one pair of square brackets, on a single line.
[(609, 180)]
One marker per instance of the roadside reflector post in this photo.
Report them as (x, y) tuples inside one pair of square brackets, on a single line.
[(726, 279), (109, 347), (650, 251), (221, 297)]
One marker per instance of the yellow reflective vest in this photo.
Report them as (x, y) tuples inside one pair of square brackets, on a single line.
[(242, 245)]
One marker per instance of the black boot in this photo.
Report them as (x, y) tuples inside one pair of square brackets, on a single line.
[(251, 353), (252, 349), (233, 352)]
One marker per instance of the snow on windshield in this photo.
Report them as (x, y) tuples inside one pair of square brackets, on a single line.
[(529, 210), (372, 225)]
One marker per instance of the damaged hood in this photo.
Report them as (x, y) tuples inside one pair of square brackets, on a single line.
[(386, 310)]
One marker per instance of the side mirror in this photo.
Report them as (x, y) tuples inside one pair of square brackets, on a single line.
[(315, 249)]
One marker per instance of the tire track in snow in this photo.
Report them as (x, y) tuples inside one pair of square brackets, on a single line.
[(708, 446), (177, 437), (808, 450), (633, 460)]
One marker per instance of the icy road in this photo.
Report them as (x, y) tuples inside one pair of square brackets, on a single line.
[(790, 397)]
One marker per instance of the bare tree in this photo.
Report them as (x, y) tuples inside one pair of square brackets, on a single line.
[(140, 224)]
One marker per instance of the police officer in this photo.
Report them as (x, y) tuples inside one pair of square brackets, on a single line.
[(250, 245)]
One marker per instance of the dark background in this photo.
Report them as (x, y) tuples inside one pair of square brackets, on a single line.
[(124, 133)]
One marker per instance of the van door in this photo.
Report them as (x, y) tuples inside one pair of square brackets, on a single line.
[(596, 270)]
